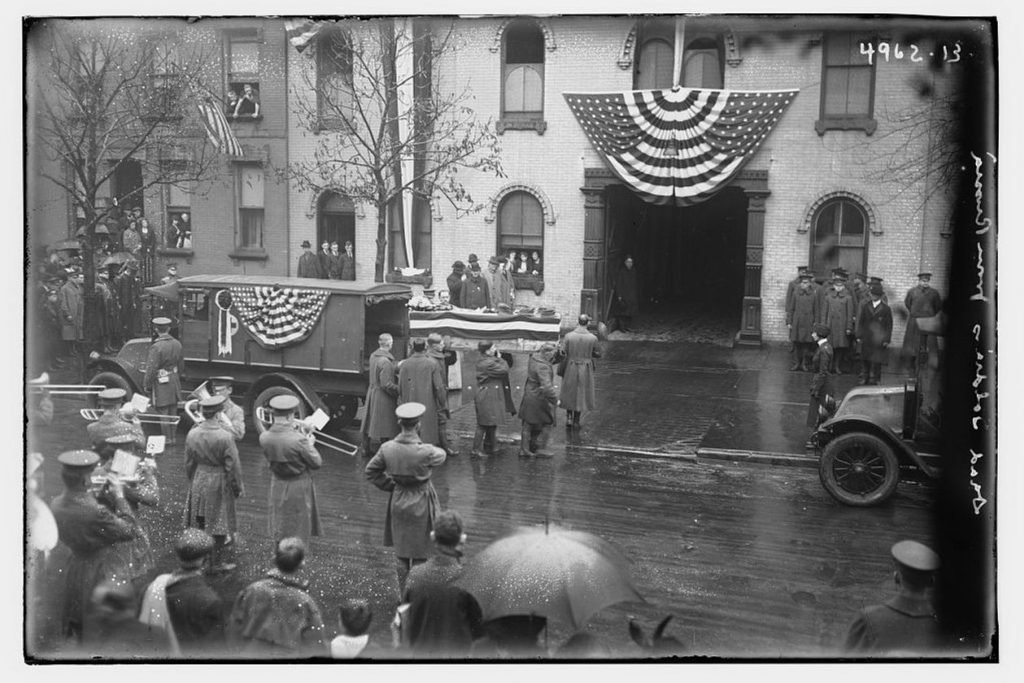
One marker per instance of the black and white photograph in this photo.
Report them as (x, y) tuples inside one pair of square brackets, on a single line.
[(496, 336)]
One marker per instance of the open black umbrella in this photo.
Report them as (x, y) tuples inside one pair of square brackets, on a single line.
[(168, 291), (117, 258), (561, 574)]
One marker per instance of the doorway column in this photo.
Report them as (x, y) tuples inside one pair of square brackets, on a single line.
[(593, 250), (750, 324)]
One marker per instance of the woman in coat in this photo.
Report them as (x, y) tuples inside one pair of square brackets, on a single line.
[(537, 409), (627, 296), (579, 348), (840, 316), (493, 398)]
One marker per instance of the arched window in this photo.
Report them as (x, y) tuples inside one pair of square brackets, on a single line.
[(522, 71), (521, 228), (333, 76), (702, 64), (840, 237), (654, 65)]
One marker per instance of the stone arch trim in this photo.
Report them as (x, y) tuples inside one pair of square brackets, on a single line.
[(729, 42), (625, 60), (549, 37), (317, 197), (812, 210), (545, 203)]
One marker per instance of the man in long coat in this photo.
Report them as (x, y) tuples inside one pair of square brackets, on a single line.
[(840, 316), (794, 284), (493, 398), (627, 295), (436, 350), (420, 380), (309, 264), (801, 312), (348, 263), (537, 409), (823, 289), (403, 467), (129, 298), (821, 366), (215, 479), (874, 331), (580, 349), (164, 366), (324, 257), (291, 456), (455, 282), (71, 302), (476, 293), (379, 423), (231, 413), (497, 285), (93, 533), (334, 263), (922, 302)]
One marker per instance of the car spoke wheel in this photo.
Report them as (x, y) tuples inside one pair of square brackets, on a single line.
[(261, 415), (859, 469)]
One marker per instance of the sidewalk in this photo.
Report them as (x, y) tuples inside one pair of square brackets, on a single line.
[(676, 399)]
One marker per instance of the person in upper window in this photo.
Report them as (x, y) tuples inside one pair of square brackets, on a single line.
[(173, 233), (249, 103), (185, 234), (232, 102), (533, 264)]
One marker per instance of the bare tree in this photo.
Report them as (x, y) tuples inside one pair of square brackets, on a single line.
[(352, 101), (109, 93)]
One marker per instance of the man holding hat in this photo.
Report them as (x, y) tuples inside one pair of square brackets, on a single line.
[(801, 312), (402, 467), (840, 315), (905, 626), (420, 380), (92, 532), (492, 400), (379, 423), (537, 409), (112, 422), (455, 281), (874, 332), (475, 293), (231, 413), (309, 264), (580, 349), (291, 456), (443, 358), (922, 302), (215, 479), (821, 366), (164, 365)]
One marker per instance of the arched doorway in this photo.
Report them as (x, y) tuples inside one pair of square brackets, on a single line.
[(127, 185), (336, 221)]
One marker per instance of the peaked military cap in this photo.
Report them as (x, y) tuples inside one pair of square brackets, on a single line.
[(876, 289), (221, 380), (926, 276), (111, 395), (914, 555), (410, 411), (212, 401), (161, 321), (120, 439), (284, 402), (78, 460)]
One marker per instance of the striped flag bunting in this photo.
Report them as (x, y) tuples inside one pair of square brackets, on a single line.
[(484, 326), (678, 146), (218, 129), (278, 316), (301, 31)]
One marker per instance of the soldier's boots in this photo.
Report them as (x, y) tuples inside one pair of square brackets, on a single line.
[(478, 442), (526, 442)]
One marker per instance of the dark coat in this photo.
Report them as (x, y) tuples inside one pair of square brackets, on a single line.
[(455, 287), (626, 292), (325, 263), (539, 394), (196, 613), (403, 467), (334, 266), (874, 330), (444, 619), (840, 316), (921, 302), (801, 312), (493, 392), (580, 349), (381, 397), (215, 478), (475, 293), (276, 617), (129, 295), (112, 424), (164, 355), (420, 380), (821, 383), (293, 507), (347, 266), (309, 265), (904, 626), (822, 291), (72, 312)]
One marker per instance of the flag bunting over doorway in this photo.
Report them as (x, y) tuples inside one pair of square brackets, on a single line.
[(678, 146)]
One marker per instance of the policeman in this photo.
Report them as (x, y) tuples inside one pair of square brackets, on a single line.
[(905, 625), (164, 366), (112, 422), (231, 413), (291, 455)]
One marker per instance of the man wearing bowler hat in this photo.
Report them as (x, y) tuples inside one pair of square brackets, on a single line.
[(112, 422), (231, 413), (291, 456), (874, 332), (309, 264), (93, 533), (164, 366), (905, 626), (922, 302), (821, 366), (403, 467)]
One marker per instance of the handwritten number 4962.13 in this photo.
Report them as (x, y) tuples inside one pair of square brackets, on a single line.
[(886, 50)]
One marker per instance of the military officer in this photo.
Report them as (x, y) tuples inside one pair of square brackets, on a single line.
[(420, 380), (403, 467), (840, 315), (580, 349), (493, 398), (905, 626), (537, 409), (379, 423), (292, 456), (112, 421), (164, 366), (436, 350), (232, 413), (801, 312), (922, 302)]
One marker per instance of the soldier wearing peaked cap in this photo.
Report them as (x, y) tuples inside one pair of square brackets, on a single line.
[(379, 423), (922, 301), (906, 625), (92, 532), (444, 358), (403, 467), (292, 456), (231, 413), (112, 422), (164, 366)]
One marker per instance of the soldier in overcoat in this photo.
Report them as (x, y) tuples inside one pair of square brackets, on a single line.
[(493, 398), (444, 358), (874, 332), (232, 413), (111, 422), (922, 301), (71, 303), (420, 380), (801, 312), (291, 456), (164, 366), (840, 316), (821, 366), (379, 422), (540, 398), (403, 467), (580, 348)]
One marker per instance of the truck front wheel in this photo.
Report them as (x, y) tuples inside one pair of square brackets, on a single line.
[(261, 415)]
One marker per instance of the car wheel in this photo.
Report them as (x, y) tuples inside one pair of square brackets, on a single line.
[(859, 469), (342, 410), (109, 380), (260, 408)]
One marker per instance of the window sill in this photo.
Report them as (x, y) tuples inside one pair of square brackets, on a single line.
[(243, 254), (534, 282), (539, 125), (864, 123), (244, 118), (174, 252)]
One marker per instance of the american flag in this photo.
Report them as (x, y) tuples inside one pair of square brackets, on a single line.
[(218, 130), (301, 31), (678, 146), (278, 316)]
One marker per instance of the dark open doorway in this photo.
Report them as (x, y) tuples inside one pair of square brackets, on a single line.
[(690, 263), (127, 185), (337, 222)]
